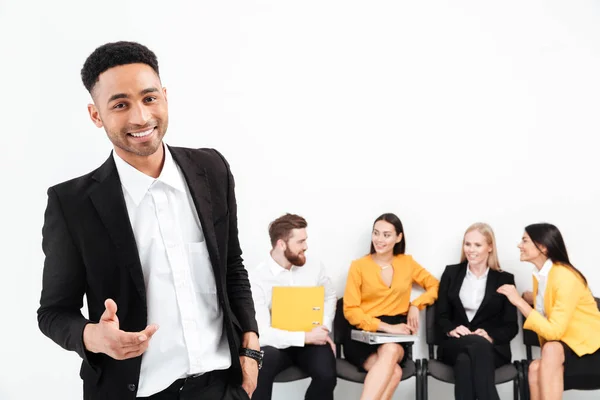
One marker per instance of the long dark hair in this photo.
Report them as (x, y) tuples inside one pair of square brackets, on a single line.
[(399, 248), (549, 236)]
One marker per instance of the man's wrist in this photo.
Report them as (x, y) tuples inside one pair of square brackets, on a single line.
[(253, 354), (89, 333), (250, 341)]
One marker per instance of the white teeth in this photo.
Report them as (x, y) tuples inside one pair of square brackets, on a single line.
[(142, 134)]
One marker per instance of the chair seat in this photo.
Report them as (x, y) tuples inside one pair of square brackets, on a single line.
[(290, 374), (445, 373), (349, 372)]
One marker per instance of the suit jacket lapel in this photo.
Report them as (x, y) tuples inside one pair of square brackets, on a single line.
[(490, 289), (109, 201), (197, 179)]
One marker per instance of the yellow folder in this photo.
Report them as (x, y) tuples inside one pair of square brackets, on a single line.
[(297, 308)]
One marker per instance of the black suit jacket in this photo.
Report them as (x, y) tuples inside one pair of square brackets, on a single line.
[(496, 315), (91, 250)]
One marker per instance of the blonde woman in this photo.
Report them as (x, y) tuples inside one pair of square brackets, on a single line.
[(477, 323)]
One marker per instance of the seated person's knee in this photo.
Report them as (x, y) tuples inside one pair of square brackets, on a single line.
[(391, 349), (552, 351), (534, 369)]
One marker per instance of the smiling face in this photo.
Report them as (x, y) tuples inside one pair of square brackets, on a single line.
[(384, 237), (529, 251), (131, 105), (476, 248)]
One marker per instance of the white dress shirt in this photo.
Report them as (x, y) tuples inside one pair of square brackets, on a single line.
[(472, 292), (269, 274), (180, 285), (542, 279)]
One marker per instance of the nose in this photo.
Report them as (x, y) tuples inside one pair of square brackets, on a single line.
[(139, 115)]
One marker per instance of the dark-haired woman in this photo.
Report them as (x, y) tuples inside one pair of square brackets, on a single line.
[(564, 315), (377, 298)]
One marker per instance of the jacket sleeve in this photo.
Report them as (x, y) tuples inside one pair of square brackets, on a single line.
[(566, 287), (443, 309), (238, 284), (63, 283), (508, 327)]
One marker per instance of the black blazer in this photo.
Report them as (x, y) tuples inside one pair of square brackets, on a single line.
[(496, 315), (90, 250)]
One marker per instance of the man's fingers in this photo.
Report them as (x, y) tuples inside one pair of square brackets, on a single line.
[(110, 311), (149, 331), (128, 339), (332, 346), (135, 352)]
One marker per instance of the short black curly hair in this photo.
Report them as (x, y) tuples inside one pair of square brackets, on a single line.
[(112, 55)]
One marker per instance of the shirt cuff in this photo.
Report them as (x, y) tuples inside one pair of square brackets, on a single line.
[(297, 339)]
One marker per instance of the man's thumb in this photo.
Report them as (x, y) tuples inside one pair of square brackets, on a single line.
[(111, 310)]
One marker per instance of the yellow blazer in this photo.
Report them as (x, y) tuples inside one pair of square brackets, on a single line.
[(572, 314)]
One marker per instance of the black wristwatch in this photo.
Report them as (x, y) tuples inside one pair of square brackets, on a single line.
[(253, 354)]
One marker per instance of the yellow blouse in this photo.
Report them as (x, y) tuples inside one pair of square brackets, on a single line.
[(366, 296)]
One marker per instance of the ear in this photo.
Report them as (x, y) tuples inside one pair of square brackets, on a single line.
[(400, 236), (543, 249), (281, 244), (164, 89), (95, 115)]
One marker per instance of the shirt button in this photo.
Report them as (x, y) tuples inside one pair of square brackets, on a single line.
[(131, 387)]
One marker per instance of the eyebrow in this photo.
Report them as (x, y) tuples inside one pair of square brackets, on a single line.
[(126, 96)]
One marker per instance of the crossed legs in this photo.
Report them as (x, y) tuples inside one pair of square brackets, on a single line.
[(383, 372)]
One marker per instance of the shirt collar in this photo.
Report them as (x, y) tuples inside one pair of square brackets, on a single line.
[(171, 174), (472, 275), (542, 273), (275, 268), (137, 184)]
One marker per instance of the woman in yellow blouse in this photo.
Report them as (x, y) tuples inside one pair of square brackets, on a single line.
[(564, 315), (377, 298)]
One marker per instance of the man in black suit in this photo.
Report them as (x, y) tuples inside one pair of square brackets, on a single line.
[(150, 237)]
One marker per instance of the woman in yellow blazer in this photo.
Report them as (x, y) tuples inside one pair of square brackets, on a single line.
[(377, 298), (564, 315)]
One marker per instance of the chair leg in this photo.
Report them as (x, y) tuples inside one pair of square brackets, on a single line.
[(424, 376), (525, 384), (418, 380)]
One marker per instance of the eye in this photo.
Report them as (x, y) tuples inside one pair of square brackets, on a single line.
[(150, 99), (119, 106)]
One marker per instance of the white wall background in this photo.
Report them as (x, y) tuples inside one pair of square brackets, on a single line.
[(444, 112)]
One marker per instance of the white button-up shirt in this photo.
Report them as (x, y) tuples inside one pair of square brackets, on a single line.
[(542, 278), (472, 292), (269, 274), (180, 285)]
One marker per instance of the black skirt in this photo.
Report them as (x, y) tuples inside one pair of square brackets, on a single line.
[(357, 352), (581, 373)]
